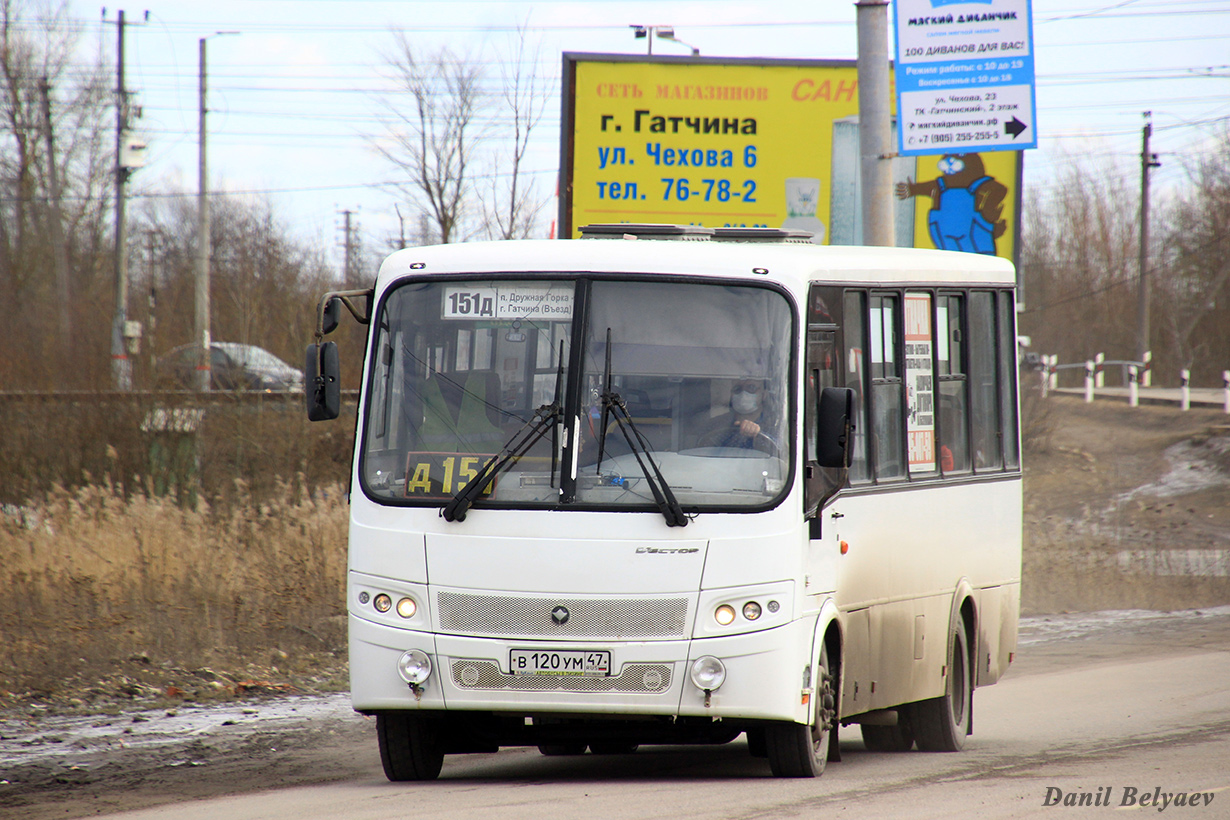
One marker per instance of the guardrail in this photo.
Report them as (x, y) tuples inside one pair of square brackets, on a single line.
[(1138, 378)]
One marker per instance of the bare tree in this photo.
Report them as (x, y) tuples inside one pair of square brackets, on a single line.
[(264, 282), (433, 131), (1193, 287), (1078, 255), (512, 208), (53, 191)]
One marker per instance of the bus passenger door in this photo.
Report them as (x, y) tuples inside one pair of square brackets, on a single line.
[(824, 308)]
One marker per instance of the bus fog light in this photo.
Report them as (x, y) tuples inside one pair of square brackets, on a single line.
[(751, 610), (414, 667), (382, 602), (724, 615), (708, 673), (406, 607)]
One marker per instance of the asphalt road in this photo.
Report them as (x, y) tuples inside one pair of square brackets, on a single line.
[(1126, 711)]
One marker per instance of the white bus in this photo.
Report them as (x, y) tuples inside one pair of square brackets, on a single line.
[(669, 485)]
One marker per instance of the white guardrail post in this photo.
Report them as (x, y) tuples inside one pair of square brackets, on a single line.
[(1053, 367), (1225, 390), (1133, 390), (1147, 376), (1088, 381), (1099, 366), (1185, 390)]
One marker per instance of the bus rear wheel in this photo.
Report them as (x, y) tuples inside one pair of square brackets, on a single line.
[(795, 750), (409, 746), (941, 724)]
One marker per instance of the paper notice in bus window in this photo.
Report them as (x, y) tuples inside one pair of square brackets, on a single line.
[(920, 383), (442, 475), (527, 302), (534, 302)]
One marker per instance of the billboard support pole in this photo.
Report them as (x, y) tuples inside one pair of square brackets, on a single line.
[(875, 124)]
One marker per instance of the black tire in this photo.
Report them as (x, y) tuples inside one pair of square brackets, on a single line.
[(756, 743), (941, 724), (561, 749), (409, 746), (899, 738), (613, 748), (796, 750)]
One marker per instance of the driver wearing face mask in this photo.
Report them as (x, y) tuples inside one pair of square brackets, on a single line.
[(743, 423)]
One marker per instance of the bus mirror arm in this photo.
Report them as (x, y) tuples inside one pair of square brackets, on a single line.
[(322, 377), (328, 309)]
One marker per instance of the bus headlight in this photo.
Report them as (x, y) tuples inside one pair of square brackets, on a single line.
[(414, 667), (751, 610), (406, 607), (724, 615), (708, 673)]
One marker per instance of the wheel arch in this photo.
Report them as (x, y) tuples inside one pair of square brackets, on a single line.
[(965, 612)]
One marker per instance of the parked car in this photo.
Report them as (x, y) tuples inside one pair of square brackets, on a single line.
[(233, 367)]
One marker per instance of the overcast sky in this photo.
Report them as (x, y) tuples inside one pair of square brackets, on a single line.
[(296, 94)]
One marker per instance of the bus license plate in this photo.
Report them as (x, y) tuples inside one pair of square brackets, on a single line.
[(556, 662)]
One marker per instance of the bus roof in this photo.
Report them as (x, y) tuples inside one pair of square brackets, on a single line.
[(792, 265)]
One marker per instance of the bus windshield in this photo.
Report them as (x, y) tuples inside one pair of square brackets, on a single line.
[(686, 379)]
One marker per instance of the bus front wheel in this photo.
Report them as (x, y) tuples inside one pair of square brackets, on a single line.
[(410, 746), (795, 750), (941, 724)]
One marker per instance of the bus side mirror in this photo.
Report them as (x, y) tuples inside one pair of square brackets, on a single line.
[(322, 382), (329, 316), (834, 422)]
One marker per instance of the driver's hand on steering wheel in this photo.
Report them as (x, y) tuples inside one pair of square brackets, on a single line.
[(748, 428)]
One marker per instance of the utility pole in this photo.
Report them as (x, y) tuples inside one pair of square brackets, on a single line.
[(121, 367), (1147, 160), (346, 249), (201, 327), (875, 123)]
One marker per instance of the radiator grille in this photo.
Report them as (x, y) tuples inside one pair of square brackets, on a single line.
[(636, 677), (611, 619)]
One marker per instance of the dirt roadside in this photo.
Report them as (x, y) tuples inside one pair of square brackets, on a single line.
[(1108, 489), (1125, 508)]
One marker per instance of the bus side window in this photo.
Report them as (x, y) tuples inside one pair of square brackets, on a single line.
[(853, 349), (1007, 380), (888, 421), (953, 409), (984, 389)]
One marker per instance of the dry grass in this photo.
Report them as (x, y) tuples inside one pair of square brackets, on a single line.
[(96, 574)]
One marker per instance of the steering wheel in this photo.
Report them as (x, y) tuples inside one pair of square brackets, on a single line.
[(713, 437)]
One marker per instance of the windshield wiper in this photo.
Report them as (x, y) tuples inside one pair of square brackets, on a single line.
[(545, 418), (613, 405)]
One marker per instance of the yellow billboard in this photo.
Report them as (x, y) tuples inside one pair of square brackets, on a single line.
[(714, 143), (728, 142)]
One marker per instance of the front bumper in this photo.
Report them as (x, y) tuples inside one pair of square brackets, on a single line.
[(765, 675)]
